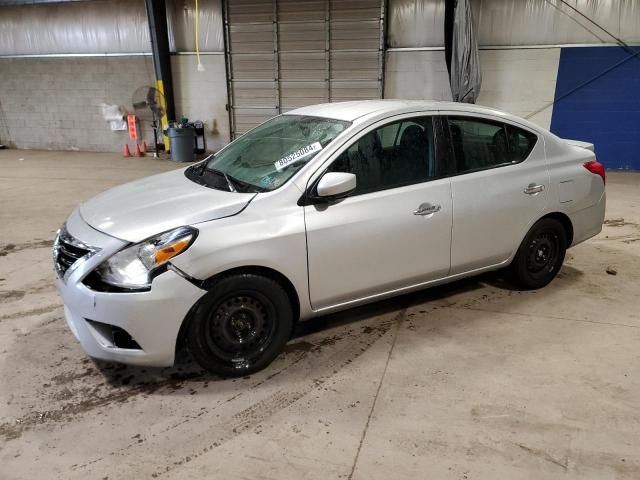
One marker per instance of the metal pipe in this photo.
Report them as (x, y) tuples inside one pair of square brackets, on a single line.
[(158, 33), (228, 67)]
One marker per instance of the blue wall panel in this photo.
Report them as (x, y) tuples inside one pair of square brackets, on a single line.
[(606, 112)]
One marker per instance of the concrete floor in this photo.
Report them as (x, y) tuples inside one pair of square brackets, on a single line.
[(468, 381)]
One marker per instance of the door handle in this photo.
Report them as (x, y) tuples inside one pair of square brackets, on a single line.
[(426, 209), (532, 189)]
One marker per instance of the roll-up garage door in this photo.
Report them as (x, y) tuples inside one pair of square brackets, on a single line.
[(284, 54)]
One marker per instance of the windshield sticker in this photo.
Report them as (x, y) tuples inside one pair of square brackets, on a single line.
[(268, 181), (284, 162)]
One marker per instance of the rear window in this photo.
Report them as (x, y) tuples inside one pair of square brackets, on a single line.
[(480, 144)]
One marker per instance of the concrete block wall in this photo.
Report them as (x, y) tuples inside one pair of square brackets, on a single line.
[(518, 81), (54, 103)]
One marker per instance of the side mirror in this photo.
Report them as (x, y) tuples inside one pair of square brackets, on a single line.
[(336, 185)]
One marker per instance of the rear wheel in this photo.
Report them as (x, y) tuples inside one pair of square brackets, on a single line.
[(540, 255), (241, 325)]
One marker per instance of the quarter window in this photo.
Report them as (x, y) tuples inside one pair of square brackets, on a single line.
[(482, 144), (521, 142), (397, 154)]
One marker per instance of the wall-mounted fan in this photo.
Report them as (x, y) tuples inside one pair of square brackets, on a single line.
[(148, 104)]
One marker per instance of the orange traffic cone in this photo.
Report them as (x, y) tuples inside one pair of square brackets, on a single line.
[(137, 150), (125, 150), (143, 149)]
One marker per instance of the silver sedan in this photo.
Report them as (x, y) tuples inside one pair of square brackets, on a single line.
[(314, 211)]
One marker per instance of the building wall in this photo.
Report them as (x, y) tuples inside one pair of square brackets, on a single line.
[(416, 75), (54, 103), (602, 108), (420, 23), (104, 26), (202, 95), (519, 81), (597, 108)]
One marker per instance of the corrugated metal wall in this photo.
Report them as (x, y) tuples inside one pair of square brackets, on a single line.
[(75, 27), (283, 54), (419, 23), (182, 17), (105, 26), (120, 26)]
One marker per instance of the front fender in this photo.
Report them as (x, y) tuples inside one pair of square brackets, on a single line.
[(249, 240)]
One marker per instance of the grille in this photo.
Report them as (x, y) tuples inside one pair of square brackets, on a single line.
[(67, 251)]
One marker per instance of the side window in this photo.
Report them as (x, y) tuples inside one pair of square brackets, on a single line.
[(398, 154), (389, 134), (521, 142), (479, 144)]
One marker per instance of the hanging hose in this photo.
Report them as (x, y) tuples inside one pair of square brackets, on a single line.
[(200, 66)]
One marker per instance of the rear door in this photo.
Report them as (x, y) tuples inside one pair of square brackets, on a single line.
[(394, 230), (500, 186)]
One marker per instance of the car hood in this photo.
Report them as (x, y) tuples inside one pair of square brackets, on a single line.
[(143, 208)]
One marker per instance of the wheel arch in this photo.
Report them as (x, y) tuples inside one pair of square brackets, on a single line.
[(566, 223), (278, 277)]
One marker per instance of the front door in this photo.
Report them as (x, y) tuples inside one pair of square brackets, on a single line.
[(394, 231)]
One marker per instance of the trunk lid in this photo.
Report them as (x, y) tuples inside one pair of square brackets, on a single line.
[(578, 143)]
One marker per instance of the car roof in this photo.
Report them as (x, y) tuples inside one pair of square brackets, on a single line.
[(353, 110)]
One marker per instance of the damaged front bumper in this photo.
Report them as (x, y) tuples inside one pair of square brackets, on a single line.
[(138, 328)]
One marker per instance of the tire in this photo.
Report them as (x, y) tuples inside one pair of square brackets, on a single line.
[(540, 255), (241, 325)]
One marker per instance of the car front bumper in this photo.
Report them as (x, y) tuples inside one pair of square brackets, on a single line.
[(151, 318)]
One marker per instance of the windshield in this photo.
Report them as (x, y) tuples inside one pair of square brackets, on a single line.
[(269, 155)]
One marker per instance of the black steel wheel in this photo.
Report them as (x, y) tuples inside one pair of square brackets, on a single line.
[(241, 325), (540, 255)]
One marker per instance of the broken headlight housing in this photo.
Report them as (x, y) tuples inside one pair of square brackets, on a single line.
[(134, 267)]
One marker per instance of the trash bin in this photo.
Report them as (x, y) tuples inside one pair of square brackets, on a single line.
[(182, 141)]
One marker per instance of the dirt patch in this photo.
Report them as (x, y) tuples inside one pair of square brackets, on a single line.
[(41, 287), (12, 247), (616, 222), (90, 400), (34, 311), (11, 295), (301, 346), (7, 296)]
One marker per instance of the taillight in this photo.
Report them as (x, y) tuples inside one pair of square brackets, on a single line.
[(596, 168)]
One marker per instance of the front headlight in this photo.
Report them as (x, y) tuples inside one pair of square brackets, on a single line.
[(133, 267)]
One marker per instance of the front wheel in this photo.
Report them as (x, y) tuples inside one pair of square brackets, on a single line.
[(540, 255), (241, 325)]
